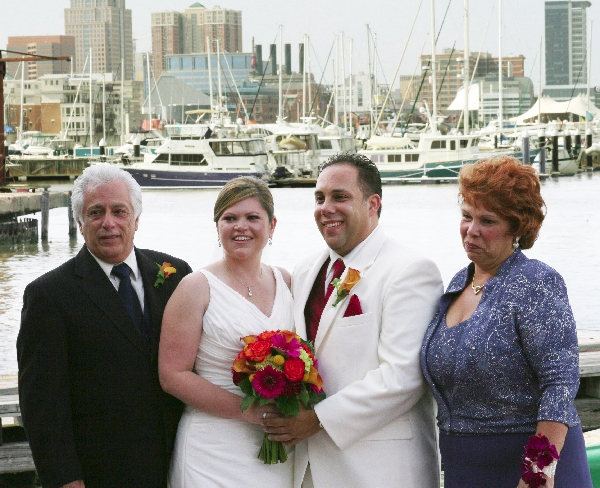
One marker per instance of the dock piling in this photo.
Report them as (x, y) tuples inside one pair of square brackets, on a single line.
[(45, 210), (72, 223)]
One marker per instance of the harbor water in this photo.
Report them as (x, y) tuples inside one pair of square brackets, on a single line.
[(425, 217)]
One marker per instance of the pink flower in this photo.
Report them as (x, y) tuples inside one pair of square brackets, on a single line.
[(269, 382), (291, 348)]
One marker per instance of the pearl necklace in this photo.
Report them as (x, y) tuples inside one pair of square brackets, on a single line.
[(244, 284)]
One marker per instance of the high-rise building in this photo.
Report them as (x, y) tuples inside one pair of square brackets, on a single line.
[(167, 37), (102, 27), (51, 46), (566, 47), (187, 32)]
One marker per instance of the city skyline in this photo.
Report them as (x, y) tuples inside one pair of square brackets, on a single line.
[(523, 28)]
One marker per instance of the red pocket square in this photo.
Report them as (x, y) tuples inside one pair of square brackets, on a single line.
[(354, 307)]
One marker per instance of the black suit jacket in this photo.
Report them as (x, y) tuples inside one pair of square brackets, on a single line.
[(90, 398)]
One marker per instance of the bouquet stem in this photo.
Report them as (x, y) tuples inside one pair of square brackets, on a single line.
[(272, 452)]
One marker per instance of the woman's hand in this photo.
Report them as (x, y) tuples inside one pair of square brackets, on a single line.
[(255, 414)]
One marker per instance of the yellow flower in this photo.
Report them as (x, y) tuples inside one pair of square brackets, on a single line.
[(278, 360)]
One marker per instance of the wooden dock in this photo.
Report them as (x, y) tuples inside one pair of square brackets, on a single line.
[(23, 168), (18, 200)]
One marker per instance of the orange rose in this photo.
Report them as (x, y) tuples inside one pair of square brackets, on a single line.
[(293, 369), (343, 287), (350, 280), (257, 351), (266, 336)]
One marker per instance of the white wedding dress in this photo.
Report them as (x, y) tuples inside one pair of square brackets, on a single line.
[(213, 451)]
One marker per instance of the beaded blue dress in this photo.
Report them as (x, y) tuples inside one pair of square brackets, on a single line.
[(513, 363)]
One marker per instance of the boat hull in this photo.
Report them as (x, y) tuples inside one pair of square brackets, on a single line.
[(391, 172), (150, 178)]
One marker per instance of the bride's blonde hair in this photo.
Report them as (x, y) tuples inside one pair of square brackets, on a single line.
[(241, 188)]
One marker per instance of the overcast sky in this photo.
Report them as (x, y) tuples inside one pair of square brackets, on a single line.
[(390, 22)]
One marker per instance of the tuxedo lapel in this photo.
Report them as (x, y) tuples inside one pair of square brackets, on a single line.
[(154, 301), (98, 288), (361, 262)]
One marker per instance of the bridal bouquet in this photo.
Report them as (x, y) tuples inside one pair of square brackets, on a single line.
[(277, 367)]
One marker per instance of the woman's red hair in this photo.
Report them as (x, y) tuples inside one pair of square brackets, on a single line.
[(507, 187)]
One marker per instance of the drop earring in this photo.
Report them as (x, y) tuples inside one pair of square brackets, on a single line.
[(516, 243), (270, 241), (219, 241)]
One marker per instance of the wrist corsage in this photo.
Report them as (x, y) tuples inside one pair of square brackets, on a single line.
[(540, 459), (164, 272), (343, 287)]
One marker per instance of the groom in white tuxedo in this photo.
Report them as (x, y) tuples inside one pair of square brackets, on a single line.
[(376, 427)]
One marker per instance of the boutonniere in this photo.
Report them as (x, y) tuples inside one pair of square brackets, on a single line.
[(344, 287), (164, 272)]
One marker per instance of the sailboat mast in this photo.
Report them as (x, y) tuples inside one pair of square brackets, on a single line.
[(304, 77), (219, 87), (467, 73), (589, 73), (122, 101), (91, 117), (149, 91), (210, 86), (371, 114), (500, 98), (433, 71), (280, 67), (22, 97)]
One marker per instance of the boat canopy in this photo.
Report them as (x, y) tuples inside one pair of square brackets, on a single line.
[(378, 142), (578, 106)]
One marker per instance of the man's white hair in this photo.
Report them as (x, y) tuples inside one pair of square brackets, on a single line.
[(100, 174)]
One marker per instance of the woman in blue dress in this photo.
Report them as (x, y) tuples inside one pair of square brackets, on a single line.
[(501, 354)]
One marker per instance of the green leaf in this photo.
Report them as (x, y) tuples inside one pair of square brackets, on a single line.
[(246, 386), (264, 401), (287, 405), (247, 401), (303, 396)]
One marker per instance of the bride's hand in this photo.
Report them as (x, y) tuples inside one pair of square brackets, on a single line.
[(256, 414)]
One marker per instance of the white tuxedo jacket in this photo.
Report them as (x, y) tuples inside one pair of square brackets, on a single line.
[(378, 417)]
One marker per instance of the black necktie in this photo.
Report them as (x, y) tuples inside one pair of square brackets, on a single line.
[(128, 294)]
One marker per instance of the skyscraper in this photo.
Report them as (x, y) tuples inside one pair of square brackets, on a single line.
[(104, 26), (566, 46), (167, 37), (186, 33), (41, 46)]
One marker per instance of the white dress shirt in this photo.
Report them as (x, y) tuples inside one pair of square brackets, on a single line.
[(136, 277)]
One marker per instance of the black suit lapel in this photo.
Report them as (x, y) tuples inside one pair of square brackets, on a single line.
[(95, 284), (154, 300)]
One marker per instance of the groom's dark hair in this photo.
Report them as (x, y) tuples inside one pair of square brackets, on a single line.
[(369, 179)]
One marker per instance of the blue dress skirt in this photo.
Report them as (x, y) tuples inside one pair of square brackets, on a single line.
[(494, 461)]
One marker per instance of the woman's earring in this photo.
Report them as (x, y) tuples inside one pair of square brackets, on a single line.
[(516, 243), (270, 241), (219, 241)]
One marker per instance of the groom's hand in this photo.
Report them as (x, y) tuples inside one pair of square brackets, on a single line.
[(292, 429)]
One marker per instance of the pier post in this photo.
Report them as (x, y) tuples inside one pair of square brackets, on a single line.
[(542, 144), (45, 204), (568, 145), (588, 144), (525, 150), (578, 148), (72, 223), (136, 148), (555, 171)]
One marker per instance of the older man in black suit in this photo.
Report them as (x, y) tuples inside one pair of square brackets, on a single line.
[(91, 403)]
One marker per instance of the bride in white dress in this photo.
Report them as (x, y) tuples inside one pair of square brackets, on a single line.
[(217, 444)]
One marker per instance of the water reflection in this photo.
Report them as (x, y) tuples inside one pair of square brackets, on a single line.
[(425, 217)]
